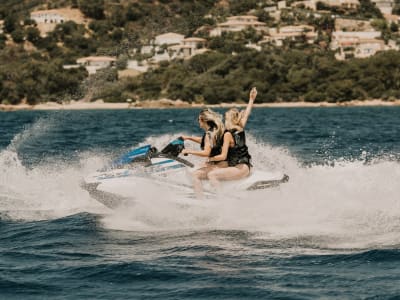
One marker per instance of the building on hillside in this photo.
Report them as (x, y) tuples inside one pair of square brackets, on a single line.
[(340, 37), (293, 33), (359, 44), (253, 46), (238, 23), (47, 16), (359, 48), (169, 38), (194, 42), (270, 9), (281, 4), (147, 49), (160, 56), (188, 48), (385, 6), (140, 66), (58, 16), (342, 24), (48, 19), (95, 63), (350, 4)]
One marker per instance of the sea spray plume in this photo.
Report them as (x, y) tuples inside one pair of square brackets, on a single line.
[(167, 215), (347, 204), (33, 131), (48, 190), (268, 157)]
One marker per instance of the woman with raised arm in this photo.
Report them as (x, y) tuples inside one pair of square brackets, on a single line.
[(210, 144), (234, 149)]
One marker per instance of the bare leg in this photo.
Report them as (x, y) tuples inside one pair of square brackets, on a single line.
[(197, 176), (201, 174), (229, 173)]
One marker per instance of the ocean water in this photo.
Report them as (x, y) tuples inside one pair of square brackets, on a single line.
[(331, 232)]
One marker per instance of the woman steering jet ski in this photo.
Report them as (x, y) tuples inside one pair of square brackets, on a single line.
[(210, 144), (234, 149)]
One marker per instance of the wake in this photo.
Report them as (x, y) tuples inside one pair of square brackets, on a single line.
[(344, 204)]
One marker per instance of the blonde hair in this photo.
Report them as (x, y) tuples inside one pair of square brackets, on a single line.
[(233, 118), (214, 121)]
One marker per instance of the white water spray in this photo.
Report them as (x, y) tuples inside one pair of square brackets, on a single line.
[(343, 205)]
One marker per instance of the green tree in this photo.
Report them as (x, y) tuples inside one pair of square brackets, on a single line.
[(242, 6), (10, 23), (3, 40), (369, 10), (122, 62), (92, 8), (394, 27), (18, 36), (32, 34)]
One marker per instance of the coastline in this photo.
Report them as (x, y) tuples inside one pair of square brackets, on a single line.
[(166, 103)]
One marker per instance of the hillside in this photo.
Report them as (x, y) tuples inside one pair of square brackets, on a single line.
[(33, 61)]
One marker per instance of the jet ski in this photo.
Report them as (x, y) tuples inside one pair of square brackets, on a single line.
[(125, 177)]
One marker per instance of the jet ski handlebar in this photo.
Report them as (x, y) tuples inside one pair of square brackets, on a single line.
[(172, 150)]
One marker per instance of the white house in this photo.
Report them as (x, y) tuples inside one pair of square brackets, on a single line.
[(189, 47), (341, 37), (147, 49), (344, 24), (194, 43), (281, 5), (48, 19), (141, 66), (94, 63), (160, 57), (359, 48), (296, 29), (278, 35), (270, 9), (238, 23), (47, 16), (169, 38), (359, 44)]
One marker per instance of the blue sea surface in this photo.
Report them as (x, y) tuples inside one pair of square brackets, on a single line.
[(331, 232)]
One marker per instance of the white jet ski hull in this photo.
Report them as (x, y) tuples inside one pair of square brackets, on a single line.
[(115, 185)]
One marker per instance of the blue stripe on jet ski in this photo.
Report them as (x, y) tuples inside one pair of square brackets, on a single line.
[(161, 169), (163, 162)]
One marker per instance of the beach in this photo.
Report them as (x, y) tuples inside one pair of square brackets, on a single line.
[(167, 103)]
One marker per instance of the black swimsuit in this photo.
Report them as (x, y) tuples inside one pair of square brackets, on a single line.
[(239, 153), (215, 149)]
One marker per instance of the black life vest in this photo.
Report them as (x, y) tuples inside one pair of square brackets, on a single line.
[(239, 153), (215, 149)]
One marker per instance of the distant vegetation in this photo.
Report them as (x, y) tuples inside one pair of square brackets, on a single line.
[(293, 75), (294, 72)]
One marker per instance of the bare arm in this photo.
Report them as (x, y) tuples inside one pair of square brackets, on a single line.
[(196, 139), (252, 97), (204, 153), (228, 139)]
